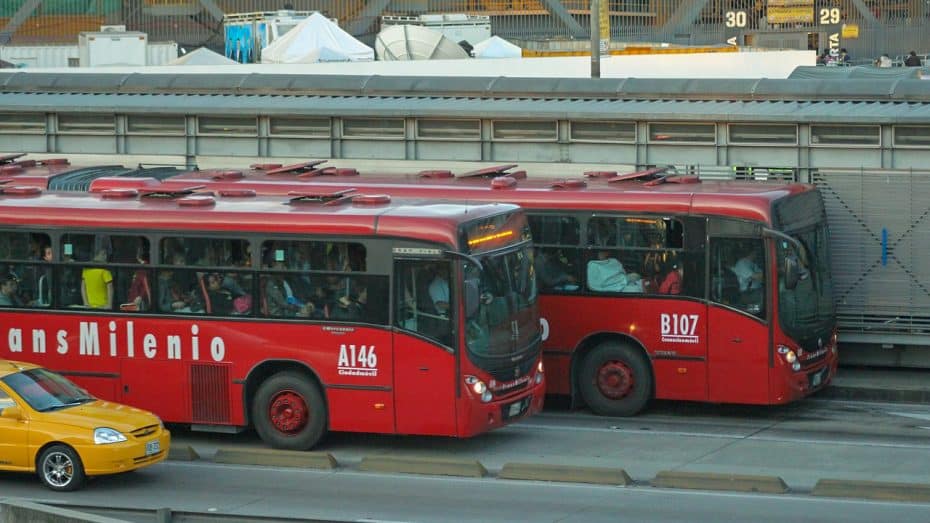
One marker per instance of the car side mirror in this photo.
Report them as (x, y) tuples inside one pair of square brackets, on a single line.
[(11, 412), (792, 271)]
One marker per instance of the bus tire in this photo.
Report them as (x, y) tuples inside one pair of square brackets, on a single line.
[(289, 412), (615, 379), (60, 469)]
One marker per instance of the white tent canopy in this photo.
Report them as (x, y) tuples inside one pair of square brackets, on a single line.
[(497, 47), (316, 39), (413, 42), (202, 56)]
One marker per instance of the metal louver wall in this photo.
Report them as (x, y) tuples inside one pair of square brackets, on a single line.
[(880, 240)]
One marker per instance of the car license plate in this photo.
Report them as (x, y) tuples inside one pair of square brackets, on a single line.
[(152, 447)]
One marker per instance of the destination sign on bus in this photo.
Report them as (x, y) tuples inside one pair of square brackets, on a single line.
[(495, 232)]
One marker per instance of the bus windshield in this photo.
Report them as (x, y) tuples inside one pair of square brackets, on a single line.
[(503, 318), (807, 311)]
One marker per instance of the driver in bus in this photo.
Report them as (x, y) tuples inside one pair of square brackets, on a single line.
[(748, 272), (439, 293)]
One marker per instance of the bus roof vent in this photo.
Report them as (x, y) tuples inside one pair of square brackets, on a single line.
[(114, 182), (168, 192), (11, 169), (329, 171), (264, 166), (641, 176), (504, 182), (8, 158), (26, 163), (114, 194), (297, 168), (55, 161), (237, 193), (673, 179), (224, 174), (489, 172), (568, 184), (600, 174), (371, 199), (327, 198), (435, 174), (20, 190), (197, 200)]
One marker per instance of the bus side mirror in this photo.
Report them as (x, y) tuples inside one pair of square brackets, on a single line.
[(11, 412), (792, 271), (472, 298)]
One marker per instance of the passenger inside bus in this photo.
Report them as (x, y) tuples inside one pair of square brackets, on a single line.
[(606, 274), (671, 284), (140, 292), (219, 300), (8, 289), (551, 272), (439, 293), (174, 291), (97, 283)]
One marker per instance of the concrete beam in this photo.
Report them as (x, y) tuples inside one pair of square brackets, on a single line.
[(432, 466), (714, 481), (555, 7), (213, 9), (866, 13), (565, 473), (367, 16), (684, 15), (20, 16), (276, 458), (879, 490)]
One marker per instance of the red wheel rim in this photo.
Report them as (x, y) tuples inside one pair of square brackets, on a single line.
[(615, 379), (288, 412)]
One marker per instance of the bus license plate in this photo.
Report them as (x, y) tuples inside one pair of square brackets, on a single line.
[(515, 409), (152, 447), (817, 378)]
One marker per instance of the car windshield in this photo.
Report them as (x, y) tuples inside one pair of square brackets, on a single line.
[(45, 391)]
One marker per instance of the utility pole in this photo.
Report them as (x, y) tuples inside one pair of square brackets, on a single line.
[(595, 39)]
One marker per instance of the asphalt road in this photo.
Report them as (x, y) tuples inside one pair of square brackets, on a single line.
[(801, 443)]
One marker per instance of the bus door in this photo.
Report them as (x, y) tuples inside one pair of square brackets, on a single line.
[(738, 331), (425, 365)]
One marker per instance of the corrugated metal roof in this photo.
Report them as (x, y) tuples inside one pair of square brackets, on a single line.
[(485, 87), (475, 107)]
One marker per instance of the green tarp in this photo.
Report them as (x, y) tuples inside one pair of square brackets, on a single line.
[(63, 7)]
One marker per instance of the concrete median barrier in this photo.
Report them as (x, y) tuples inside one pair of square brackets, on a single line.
[(565, 473), (276, 458), (182, 453), (877, 490), (18, 511), (434, 466), (714, 481)]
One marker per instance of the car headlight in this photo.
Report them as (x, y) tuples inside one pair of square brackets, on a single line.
[(106, 435)]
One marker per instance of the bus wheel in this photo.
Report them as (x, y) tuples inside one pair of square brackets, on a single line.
[(60, 468), (289, 412), (615, 379)]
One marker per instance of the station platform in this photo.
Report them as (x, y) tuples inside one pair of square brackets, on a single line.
[(880, 384)]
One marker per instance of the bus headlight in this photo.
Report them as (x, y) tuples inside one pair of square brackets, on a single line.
[(479, 387), (789, 356), (539, 372)]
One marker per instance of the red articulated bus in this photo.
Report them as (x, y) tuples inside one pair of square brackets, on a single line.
[(322, 311), (652, 285), (643, 291)]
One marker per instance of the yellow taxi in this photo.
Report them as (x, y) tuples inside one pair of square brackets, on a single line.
[(50, 426)]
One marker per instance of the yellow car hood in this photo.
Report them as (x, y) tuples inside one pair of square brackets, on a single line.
[(99, 413)]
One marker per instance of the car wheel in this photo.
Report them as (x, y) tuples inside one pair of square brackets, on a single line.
[(615, 379), (289, 412), (60, 468)]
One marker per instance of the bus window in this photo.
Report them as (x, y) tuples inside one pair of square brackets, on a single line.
[(423, 299), (738, 274), (558, 253), (26, 259)]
